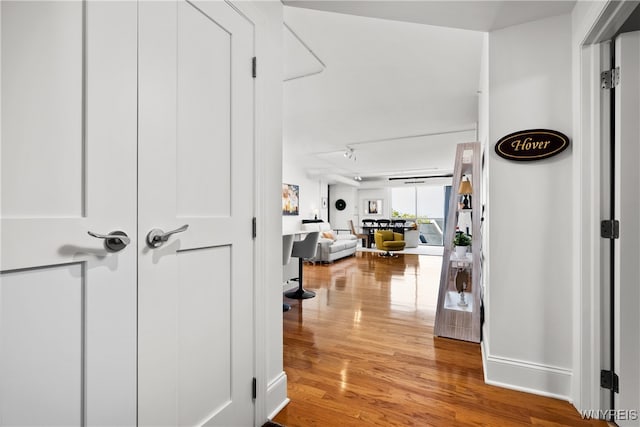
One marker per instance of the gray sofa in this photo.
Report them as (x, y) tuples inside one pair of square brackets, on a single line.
[(330, 250)]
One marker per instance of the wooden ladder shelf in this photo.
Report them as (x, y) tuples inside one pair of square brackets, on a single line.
[(452, 319)]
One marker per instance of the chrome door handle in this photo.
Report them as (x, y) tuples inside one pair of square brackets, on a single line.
[(114, 241), (157, 237)]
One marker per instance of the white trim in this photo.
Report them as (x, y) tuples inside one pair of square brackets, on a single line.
[(258, 309), (277, 398), (593, 22), (543, 380)]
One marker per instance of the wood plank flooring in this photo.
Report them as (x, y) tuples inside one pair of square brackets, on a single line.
[(362, 353)]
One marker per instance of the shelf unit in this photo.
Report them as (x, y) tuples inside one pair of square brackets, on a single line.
[(453, 320)]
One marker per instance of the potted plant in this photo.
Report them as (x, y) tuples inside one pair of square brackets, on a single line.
[(461, 240)]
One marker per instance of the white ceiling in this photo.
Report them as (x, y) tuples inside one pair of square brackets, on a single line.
[(401, 94), (469, 15)]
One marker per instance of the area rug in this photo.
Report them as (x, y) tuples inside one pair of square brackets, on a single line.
[(420, 250)]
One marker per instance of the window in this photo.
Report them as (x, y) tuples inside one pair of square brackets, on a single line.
[(425, 205)]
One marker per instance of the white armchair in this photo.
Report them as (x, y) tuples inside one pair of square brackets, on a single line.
[(411, 238)]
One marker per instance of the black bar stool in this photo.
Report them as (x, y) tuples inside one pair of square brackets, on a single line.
[(287, 246), (303, 249)]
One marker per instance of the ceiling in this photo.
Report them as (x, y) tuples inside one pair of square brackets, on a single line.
[(400, 92), (469, 15)]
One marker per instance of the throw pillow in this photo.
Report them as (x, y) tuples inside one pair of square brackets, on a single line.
[(328, 235)]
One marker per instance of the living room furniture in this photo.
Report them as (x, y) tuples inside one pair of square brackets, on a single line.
[(389, 241), (383, 223), (371, 229), (287, 247), (458, 313), (303, 250), (397, 225), (331, 245), (412, 238), (364, 237)]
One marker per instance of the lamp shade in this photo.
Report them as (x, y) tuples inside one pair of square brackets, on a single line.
[(465, 187)]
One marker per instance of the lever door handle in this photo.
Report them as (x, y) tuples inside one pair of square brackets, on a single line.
[(157, 237), (114, 241)]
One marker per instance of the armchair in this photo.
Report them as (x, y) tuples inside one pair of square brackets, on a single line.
[(388, 241)]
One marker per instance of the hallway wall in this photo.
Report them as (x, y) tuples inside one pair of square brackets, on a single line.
[(529, 291)]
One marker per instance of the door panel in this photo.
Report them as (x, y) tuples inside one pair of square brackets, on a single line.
[(204, 115), (627, 206), (55, 102), (195, 166), (67, 305), (204, 279), (41, 311)]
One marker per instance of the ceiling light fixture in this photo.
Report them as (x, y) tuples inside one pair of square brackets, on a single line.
[(350, 154)]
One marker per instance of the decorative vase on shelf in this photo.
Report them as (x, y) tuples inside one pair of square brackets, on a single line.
[(461, 251)]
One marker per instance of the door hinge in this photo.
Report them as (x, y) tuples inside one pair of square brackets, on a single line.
[(610, 78), (254, 227), (254, 67), (609, 380), (254, 388), (610, 229)]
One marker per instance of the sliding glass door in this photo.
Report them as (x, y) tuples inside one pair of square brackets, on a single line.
[(424, 205)]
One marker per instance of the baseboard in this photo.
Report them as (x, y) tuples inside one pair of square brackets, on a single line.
[(548, 381), (289, 286), (276, 395)]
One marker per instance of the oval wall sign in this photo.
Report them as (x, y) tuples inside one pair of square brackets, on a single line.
[(532, 144)]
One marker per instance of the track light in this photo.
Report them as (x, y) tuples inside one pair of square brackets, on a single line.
[(350, 154)]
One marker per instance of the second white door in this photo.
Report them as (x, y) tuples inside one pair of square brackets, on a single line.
[(627, 206), (195, 168)]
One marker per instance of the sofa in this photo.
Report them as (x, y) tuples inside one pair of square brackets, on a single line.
[(332, 245)]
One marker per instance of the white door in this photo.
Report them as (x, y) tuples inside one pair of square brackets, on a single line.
[(627, 211), (67, 305), (196, 129)]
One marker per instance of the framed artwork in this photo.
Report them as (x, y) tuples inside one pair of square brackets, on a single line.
[(290, 199), (373, 207)]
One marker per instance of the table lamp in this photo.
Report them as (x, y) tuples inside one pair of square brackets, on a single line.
[(465, 190)]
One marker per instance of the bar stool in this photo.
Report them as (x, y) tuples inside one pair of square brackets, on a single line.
[(287, 245), (303, 249)]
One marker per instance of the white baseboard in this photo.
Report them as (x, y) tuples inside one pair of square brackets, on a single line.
[(276, 395), (528, 377), (289, 286)]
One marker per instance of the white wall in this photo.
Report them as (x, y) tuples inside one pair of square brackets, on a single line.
[(348, 193), (383, 194), (528, 300), (311, 192), (486, 146)]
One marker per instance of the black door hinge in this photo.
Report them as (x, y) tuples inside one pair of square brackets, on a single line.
[(610, 229), (254, 227), (254, 67), (254, 389), (609, 380)]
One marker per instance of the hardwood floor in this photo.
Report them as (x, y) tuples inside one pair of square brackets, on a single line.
[(362, 352)]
